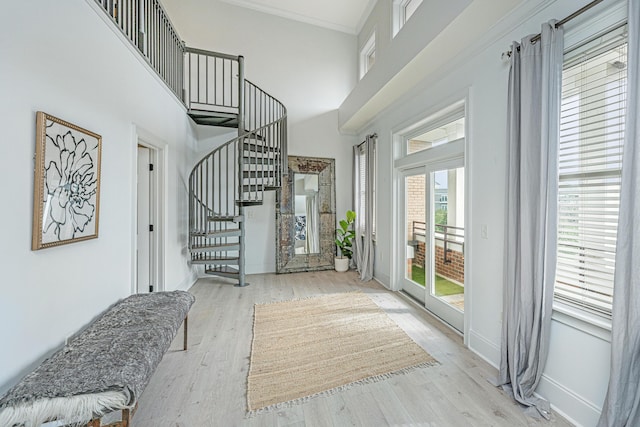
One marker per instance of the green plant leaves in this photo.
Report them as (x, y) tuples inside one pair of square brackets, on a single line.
[(345, 236)]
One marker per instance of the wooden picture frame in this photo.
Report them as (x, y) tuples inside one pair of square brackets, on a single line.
[(66, 200), (287, 260)]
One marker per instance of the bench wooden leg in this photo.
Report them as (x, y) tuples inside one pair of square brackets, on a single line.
[(126, 418), (186, 322)]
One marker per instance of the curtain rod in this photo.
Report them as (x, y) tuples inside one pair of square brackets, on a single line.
[(560, 23), (373, 135)]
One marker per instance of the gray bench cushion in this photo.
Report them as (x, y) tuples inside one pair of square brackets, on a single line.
[(105, 367)]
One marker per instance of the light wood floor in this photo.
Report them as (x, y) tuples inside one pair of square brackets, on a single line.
[(206, 385)]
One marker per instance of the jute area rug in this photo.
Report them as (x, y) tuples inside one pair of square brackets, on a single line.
[(317, 346)]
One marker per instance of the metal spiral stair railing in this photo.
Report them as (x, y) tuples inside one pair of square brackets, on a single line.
[(236, 174), (212, 86)]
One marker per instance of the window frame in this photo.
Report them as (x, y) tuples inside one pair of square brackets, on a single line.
[(399, 15), (441, 120), (373, 164), (367, 51), (577, 34)]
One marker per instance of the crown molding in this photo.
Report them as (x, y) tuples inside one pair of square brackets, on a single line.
[(293, 16)]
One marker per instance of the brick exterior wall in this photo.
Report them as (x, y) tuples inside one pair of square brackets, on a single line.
[(415, 191), (415, 146), (453, 270), (419, 252)]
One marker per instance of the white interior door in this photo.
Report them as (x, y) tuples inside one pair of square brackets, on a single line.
[(144, 234)]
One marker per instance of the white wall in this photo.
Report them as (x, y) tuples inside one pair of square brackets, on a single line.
[(576, 374), (61, 58), (310, 69)]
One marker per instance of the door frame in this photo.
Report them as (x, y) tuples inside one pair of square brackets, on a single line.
[(444, 152), (431, 303), (402, 233), (158, 207)]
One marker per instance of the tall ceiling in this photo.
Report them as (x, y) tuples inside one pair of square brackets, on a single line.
[(341, 15)]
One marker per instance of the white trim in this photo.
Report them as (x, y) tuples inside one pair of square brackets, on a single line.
[(582, 321), (383, 280), (446, 156), (571, 402), (510, 22), (449, 110), (159, 150), (189, 281), (468, 227), (365, 15), (485, 349), (368, 49), (437, 157), (399, 14), (270, 10)]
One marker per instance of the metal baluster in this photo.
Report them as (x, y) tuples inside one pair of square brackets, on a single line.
[(220, 183)]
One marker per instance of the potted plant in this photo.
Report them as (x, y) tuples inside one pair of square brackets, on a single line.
[(344, 241)]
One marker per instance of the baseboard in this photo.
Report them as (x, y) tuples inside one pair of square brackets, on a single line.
[(568, 404), (259, 268), (383, 279), (188, 281), (484, 348)]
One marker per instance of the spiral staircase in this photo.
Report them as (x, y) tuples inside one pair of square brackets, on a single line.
[(236, 174)]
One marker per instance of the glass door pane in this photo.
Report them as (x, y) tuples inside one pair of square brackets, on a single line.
[(446, 246), (415, 190)]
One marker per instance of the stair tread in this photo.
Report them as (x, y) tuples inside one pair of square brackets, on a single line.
[(218, 233), (216, 261), (250, 146), (254, 136), (249, 202), (225, 218), (213, 118), (223, 271), (269, 173), (259, 161), (216, 248)]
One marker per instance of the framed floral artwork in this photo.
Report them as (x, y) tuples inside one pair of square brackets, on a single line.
[(66, 199)]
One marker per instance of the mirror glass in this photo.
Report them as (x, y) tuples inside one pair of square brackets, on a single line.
[(306, 215), (306, 208)]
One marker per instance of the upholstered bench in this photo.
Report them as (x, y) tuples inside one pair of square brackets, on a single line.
[(104, 368)]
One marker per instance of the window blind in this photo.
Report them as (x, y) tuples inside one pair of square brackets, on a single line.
[(363, 162), (592, 118)]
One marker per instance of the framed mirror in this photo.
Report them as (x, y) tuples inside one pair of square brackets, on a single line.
[(306, 216)]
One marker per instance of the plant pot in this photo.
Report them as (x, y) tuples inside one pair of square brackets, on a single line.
[(341, 264)]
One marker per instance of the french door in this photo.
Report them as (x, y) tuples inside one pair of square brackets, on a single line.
[(433, 233)]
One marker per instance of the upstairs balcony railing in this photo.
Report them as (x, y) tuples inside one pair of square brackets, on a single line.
[(446, 234), (146, 25)]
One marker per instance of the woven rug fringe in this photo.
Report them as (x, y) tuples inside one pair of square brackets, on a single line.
[(326, 393)]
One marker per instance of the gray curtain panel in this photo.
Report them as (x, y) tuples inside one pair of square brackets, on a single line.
[(622, 404), (363, 205), (530, 248)]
